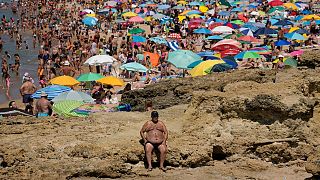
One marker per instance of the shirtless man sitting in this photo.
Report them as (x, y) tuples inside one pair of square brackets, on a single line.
[(43, 106), (155, 138)]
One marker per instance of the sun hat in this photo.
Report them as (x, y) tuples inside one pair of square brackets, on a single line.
[(43, 94)]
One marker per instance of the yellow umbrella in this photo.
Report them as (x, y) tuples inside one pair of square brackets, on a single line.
[(91, 15), (194, 16), (129, 14), (111, 80), (149, 18), (64, 81), (184, 13), (182, 2), (200, 69), (293, 29), (261, 13), (203, 9), (310, 17), (181, 18), (290, 6)]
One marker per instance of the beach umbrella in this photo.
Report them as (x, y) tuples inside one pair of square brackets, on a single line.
[(182, 58), (88, 11), (302, 31), (282, 43), (203, 9), (136, 31), (194, 3), (182, 2), (89, 21), (306, 12), (74, 95), (277, 8), (150, 13), (211, 11), (166, 19), (222, 30), (64, 81), (290, 6), (112, 3), (215, 37), (247, 54), (133, 66), (99, 60), (52, 91), (136, 19), (90, 15), (205, 53), (310, 17), (194, 64), (159, 40), (202, 31), (89, 77), (246, 31), (174, 36), (275, 3), (158, 16), (201, 69), (238, 22), (295, 36), (231, 25), (129, 14), (283, 23), (103, 11), (291, 62), (248, 39), (224, 13), (296, 53), (219, 68), (264, 31), (65, 108), (179, 7), (225, 42), (139, 39), (231, 61), (153, 58), (111, 80), (173, 45), (163, 6)]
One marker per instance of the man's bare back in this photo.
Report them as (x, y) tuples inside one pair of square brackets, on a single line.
[(27, 88)]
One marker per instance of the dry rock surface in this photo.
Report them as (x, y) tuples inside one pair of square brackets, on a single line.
[(244, 125)]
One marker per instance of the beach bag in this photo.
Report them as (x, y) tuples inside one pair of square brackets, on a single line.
[(124, 107)]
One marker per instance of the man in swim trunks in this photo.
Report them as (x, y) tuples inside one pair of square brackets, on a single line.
[(43, 106), (26, 90), (155, 138)]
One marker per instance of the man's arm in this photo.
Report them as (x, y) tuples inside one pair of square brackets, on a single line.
[(142, 131), (165, 133)]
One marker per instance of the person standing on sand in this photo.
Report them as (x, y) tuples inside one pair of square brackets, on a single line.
[(43, 106), (155, 138), (26, 90)]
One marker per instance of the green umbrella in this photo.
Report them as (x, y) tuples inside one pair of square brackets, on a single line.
[(239, 22), (229, 36), (65, 108), (136, 31), (89, 77), (247, 54), (277, 8), (291, 62), (182, 58)]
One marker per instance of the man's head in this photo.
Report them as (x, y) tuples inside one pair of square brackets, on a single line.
[(154, 116), (44, 94)]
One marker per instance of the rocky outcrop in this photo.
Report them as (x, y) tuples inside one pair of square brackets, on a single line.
[(310, 59)]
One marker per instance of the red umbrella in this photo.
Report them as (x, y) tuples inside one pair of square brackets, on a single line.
[(215, 24), (248, 39), (174, 36), (275, 3)]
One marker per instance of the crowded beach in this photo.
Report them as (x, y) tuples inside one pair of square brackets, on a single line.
[(91, 52)]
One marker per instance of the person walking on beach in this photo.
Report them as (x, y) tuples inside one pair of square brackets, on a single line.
[(155, 138), (43, 106), (26, 90)]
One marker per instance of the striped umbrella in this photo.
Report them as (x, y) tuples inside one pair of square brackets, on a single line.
[(52, 91), (65, 108), (74, 95), (173, 45)]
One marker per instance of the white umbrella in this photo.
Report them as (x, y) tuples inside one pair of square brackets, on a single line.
[(211, 11), (89, 11), (74, 95), (112, 3), (99, 60), (222, 30)]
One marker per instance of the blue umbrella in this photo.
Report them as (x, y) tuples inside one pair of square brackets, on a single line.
[(206, 53), (202, 31), (165, 20), (302, 31), (282, 43), (52, 91), (294, 36), (194, 3), (163, 6), (224, 13), (305, 11), (298, 18), (283, 23), (215, 37), (159, 40), (194, 64), (236, 10), (178, 7), (137, 39), (193, 12), (150, 13), (221, 67), (264, 31), (90, 21), (231, 62)]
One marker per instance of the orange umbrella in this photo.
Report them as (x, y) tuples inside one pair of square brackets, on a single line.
[(154, 58)]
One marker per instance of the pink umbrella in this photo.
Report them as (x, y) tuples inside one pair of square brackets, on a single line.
[(136, 19), (296, 53)]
